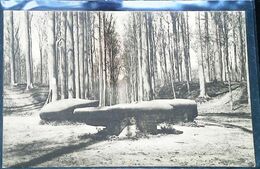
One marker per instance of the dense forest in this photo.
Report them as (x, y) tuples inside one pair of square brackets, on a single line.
[(123, 56)]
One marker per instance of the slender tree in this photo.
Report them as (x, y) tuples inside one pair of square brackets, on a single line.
[(201, 63), (87, 53), (101, 79), (76, 53), (63, 58), (70, 55), (81, 54), (53, 79), (27, 52), (242, 48), (147, 74), (226, 34), (171, 61), (235, 42), (186, 49), (12, 54), (151, 54), (174, 16), (140, 58), (207, 47)]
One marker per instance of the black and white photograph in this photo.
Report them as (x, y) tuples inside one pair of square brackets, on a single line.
[(126, 88)]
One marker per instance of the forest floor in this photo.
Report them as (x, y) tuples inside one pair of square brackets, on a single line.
[(222, 138)]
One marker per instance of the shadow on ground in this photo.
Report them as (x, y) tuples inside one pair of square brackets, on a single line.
[(85, 141)]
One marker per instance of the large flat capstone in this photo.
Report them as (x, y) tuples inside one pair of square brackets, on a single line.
[(62, 110)]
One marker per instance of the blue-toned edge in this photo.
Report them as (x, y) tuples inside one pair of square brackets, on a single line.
[(1, 82), (120, 5)]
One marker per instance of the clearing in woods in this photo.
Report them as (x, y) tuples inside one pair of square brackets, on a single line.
[(222, 138)]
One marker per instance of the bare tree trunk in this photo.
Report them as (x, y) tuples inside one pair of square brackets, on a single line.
[(186, 49), (221, 33), (175, 40), (163, 46), (41, 67), (235, 50), (131, 84), (30, 42), (180, 58), (76, 53), (171, 61), (81, 55), (200, 64), (70, 55), (12, 55), (155, 80), (220, 57), (27, 53), (151, 58), (41, 50), (217, 63), (242, 56), (92, 55), (218, 23), (53, 79), (188, 45), (149, 91), (172, 78), (207, 57), (104, 68), (164, 60), (87, 52), (63, 60), (136, 54), (18, 59), (101, 80), (140, 58), (227, 57)]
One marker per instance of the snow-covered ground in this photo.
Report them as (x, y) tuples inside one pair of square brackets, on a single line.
[(221, 140)]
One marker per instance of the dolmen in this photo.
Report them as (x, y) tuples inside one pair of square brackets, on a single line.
[(146, 114)]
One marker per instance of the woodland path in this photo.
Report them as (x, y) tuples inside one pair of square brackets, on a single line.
[(217, 111), (18, 101)]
